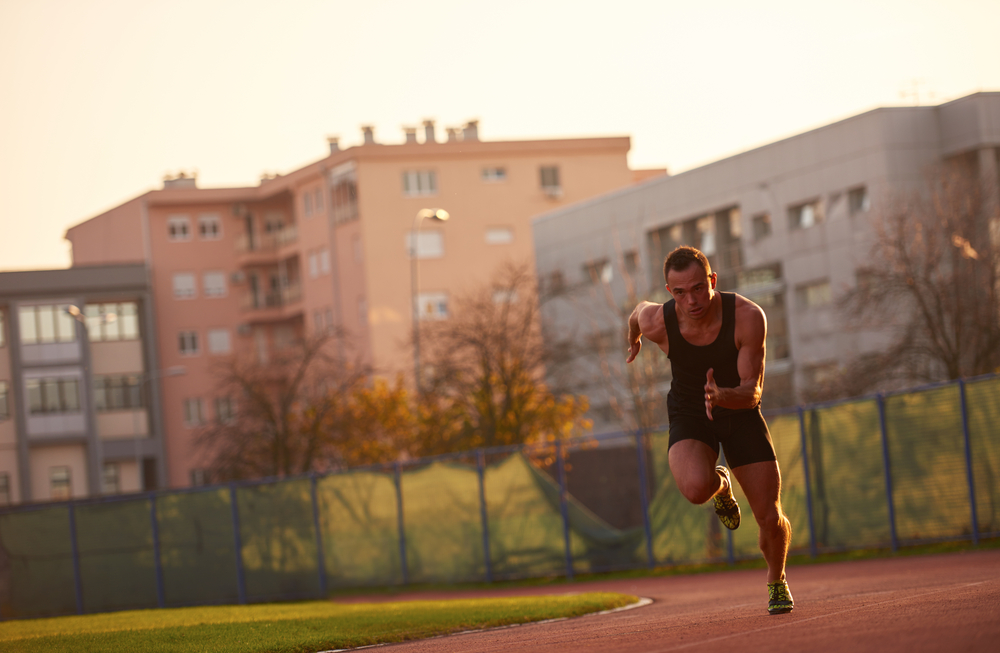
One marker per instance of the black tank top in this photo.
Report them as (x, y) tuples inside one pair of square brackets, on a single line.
[(690, 363)]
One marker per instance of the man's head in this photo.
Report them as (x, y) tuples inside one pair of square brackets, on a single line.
[(690, 280)]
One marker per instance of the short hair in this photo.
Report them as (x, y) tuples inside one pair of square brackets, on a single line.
[(682, 258)]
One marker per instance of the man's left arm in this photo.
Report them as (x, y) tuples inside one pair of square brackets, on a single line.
[(751, 332)]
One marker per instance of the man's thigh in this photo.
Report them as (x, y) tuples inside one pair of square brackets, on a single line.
[(761, 483)]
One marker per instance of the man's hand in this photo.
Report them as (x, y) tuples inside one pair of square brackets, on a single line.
[(711, 392), (633, 348)]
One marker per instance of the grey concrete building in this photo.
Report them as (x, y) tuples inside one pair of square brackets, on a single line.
[(787, 224), (79, 384)]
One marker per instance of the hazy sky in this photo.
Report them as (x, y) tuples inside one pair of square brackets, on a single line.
[(100, 98)]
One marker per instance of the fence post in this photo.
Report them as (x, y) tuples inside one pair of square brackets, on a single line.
[(563, 507), (320, 555), (888, 471), (480, 469), (640, 448), (399, 520), (241, 584), (77, 580), (157, 562), (968, 462), (805, 466)]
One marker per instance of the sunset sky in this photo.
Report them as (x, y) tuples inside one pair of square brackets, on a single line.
[(100, 98)]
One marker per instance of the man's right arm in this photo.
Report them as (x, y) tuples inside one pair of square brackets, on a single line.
[(646, 320)]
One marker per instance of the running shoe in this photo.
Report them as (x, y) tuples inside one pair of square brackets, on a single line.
[(779, 599), (725, 503)]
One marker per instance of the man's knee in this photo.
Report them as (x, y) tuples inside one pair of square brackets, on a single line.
[(699, 488), (772, 520)]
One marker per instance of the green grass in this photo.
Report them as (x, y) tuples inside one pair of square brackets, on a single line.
[(289, 627)]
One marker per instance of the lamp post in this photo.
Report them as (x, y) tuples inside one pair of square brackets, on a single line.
[(433, 214)]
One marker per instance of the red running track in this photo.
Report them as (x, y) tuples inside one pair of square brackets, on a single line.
[(929, 603)]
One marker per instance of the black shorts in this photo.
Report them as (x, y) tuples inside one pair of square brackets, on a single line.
[(742, 434)]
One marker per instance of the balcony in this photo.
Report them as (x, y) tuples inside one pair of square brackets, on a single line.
[(274, 305), (261, 249)]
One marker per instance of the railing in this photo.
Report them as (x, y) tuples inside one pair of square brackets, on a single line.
[(880, 471), (268, 242), (273, 299)]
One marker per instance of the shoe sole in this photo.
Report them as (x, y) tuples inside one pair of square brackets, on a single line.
[(729, 481)]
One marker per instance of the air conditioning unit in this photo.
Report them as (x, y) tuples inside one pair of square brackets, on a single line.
[(237, 277), (243, 329)]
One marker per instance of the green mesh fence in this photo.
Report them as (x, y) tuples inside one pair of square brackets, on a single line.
[(846, 472), (36, 564), (545, 506), (197, 548), (278, 540), (360, 529), (115, 544), (930, 488), (983, 400), (444, 525)]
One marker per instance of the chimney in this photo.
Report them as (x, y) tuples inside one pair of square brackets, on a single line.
[(181, 180), (429, 136), (334, 142), (471, 131), (369, 133), (452, 134), (411, 134)]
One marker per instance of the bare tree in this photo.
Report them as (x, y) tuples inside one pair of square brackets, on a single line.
[(933, 284), (284, 410), (484, 385)]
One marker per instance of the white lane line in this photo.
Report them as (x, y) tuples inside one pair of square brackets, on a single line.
[(642, 602), (821, 616)]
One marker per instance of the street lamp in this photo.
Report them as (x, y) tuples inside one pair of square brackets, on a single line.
[(433, 214)]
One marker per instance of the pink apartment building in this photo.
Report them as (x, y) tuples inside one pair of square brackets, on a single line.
[(250, 269)]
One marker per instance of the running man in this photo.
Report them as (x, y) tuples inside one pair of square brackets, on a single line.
[(715, 342)]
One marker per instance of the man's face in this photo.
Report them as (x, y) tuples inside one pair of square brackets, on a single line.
[(692, 289)]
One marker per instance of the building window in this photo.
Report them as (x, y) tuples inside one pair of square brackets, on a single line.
[(118, 392), (705, 228), (59, 483), (111, 479), (188, 343), (432, 305), (430, 244), (225, 412), (4, 489), (499, 236), (419, 182), (214, 284), (318, 200), (53, 395), (329, 319), (307, 204), (494, 174), (324, 261), (194, 413), (218, 341), (598, 271), (112, 321), (199, 477), (362, 311), (814, 294), (184, 287), (504, 296), (313, 265), (550, 180), (557, 282), (210, 226), (359, 254), (630, 261), (46, 324), (857, 200), (4, 401), (3, 330), (805, 215), (178, 228), (761, 226), (318, 321)]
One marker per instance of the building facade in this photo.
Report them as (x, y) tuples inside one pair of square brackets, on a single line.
[(787, 225), (248, 270), (79, 381)]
